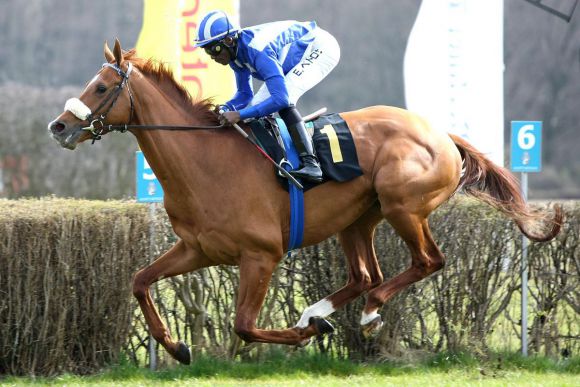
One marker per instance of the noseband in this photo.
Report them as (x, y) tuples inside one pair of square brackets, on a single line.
[(83, 112)]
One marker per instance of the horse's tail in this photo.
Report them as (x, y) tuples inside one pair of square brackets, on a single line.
[(497, 187)]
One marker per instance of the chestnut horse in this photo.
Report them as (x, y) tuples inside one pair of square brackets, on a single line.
[(227, 207)]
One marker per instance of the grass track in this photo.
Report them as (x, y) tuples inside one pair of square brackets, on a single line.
[(316, 370)]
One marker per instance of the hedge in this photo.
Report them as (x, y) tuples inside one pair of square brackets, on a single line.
[(66, 304), (65, 274)]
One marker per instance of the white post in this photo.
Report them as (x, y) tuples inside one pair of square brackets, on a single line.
[(152, 241), (524, 275)]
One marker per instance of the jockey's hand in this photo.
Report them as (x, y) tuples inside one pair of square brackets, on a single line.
[(230, 117), (219, 109)]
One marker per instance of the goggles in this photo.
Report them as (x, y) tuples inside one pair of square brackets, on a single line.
[(214, 49)]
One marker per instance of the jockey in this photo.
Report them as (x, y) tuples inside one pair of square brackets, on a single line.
[(290, 57)]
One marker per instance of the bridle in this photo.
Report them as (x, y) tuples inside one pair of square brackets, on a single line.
[(96, 121), (83, 112), (98, 130)]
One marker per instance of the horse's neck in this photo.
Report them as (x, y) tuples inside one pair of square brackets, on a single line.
[(165, 149), (159, 106)]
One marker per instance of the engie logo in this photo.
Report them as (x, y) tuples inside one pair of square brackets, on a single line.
[(315, 54)]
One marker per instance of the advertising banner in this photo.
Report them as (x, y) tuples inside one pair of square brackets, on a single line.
[(169, 29), (453, 70)]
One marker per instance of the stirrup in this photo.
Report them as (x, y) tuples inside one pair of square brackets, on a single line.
[(283, 163)]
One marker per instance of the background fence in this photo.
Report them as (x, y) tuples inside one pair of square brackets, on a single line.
[(66, 304)]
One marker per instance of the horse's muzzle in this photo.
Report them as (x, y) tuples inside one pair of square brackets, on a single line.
[(66, 136)]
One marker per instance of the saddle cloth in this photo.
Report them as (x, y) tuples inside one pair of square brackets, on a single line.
[(332, 140)]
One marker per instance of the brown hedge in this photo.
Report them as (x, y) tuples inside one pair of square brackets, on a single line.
[(66, 305), (65, 274)]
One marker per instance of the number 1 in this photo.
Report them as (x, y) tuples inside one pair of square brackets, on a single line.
[(334, 143)]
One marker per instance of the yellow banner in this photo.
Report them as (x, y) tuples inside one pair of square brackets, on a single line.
[(169, 29)]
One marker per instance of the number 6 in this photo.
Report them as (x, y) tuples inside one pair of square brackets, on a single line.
[(526, 139)]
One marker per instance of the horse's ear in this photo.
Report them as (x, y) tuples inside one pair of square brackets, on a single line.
[(109, 56), (118, 52)]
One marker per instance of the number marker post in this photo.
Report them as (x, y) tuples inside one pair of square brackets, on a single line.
[(526, 156)]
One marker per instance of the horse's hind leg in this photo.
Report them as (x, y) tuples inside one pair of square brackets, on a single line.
[(364, 272), (426, 258), (178, 260)]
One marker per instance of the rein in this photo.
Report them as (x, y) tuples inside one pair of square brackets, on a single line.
[(125, 127), (96, 125)]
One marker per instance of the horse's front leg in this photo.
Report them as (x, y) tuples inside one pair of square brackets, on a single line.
[(255, 275), (178, 260)]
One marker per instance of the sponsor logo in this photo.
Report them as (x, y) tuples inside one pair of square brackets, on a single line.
[(314, 54)]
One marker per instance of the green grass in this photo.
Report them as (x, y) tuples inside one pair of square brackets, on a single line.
[(445, 369)]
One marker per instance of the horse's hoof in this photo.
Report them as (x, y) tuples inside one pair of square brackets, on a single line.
[(371, 329), (183, 355), (322, 326)]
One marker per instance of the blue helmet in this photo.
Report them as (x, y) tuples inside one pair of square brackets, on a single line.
[(214, 26)]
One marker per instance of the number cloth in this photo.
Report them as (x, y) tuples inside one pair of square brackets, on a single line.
[(333, 144)]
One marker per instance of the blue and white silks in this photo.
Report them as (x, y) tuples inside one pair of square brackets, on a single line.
[(268, 52)]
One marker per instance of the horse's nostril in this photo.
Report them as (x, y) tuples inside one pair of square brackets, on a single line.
[(58, 127)]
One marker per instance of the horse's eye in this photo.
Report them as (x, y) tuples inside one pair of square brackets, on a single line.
[(101, 88)]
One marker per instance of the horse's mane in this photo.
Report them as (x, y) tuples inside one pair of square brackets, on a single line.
[(202, 109)]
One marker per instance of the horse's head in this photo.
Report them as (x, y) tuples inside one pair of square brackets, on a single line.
[(105, 100)]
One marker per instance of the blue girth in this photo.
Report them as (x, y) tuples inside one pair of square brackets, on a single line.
[(296, 194)]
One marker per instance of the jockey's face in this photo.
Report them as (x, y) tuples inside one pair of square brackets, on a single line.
[(220, 52)]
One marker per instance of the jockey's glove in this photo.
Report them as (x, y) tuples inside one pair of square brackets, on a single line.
[(221, 109)]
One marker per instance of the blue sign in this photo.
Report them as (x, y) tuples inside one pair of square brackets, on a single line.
[(526, 147), (148, 187)]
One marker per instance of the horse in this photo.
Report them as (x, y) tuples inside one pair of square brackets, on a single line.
[(227, 208)]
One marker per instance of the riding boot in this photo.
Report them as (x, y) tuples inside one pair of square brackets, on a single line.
[(310, 168)]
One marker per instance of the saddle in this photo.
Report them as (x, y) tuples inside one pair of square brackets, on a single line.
[(332, 141)]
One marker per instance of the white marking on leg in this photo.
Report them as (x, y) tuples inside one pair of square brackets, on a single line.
[(322, 308), (367, 318)]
